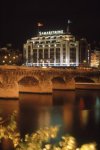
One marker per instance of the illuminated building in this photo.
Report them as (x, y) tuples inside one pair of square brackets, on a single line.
[(9, 56), (84, 52), (51, 48), (95, 59)]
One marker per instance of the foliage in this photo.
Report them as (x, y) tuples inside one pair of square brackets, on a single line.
[(39, 140)]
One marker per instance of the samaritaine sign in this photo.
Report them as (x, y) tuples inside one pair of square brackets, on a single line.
[(51, 32)]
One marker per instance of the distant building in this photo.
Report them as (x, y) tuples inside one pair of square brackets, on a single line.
[(51, 48), (10, 56), (84, 52), (95, 59)]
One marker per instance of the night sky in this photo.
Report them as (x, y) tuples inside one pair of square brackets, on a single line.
[(18, 19)]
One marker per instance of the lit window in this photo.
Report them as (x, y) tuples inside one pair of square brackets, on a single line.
[(5, 57), (3, 61), (10, 61), (14, 57)]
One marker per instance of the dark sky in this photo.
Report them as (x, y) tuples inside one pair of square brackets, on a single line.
[(18, 18)]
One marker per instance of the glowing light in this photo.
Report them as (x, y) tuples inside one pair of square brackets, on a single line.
[(44, 67), (3, 61), (40, 24), (14, 57), (67, 39), (10, 61), (51, 32), (84, 61), (84, 117), (5, 57)]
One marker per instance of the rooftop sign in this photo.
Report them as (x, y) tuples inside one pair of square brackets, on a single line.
[(51, 32)]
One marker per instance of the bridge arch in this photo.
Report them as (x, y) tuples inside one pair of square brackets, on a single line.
[(58, 82), (30, 77), (28, 84), (58, 79), (83, 79), (28, 80)]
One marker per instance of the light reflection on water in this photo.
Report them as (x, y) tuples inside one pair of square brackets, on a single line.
[(77, 112)]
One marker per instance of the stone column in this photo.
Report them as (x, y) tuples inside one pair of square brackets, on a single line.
[(26, 54), (31, 55), (77, 53), (54, 56), (45, 83), (67, 54), (43, 57), (49, 56), (37, 57), (61, 55)]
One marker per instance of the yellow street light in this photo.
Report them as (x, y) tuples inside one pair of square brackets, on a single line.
[(14, 57), (3, 61), (5, 57)]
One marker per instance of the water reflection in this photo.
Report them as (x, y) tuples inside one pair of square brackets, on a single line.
[(84, 117), (97, 110), (33, 112), (81, 103), (77, 112), (68, 117), (97, 103), (63, 97), (8, 106)]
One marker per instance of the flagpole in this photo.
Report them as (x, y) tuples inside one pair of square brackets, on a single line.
[(68, 23), (39, 25), (38, 30)]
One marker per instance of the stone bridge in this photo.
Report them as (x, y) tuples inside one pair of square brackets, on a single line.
[(15, 79)]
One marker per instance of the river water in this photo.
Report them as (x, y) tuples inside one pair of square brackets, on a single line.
[(77, 113)]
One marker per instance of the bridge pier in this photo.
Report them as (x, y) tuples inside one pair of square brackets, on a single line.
[(70, 85), (9, 91), (29, 89), (42, 87), (46, 87)]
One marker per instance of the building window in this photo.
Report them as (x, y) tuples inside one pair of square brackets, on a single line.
[(64, 45), (52, 55), (40, 54), (64, 55), (72, 56), (58, 55), (45, 55), (35, 56), (29, 54)]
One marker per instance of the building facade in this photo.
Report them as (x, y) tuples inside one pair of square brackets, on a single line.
[(10, 56), (84, 52), (95, 59), (52, 48)]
